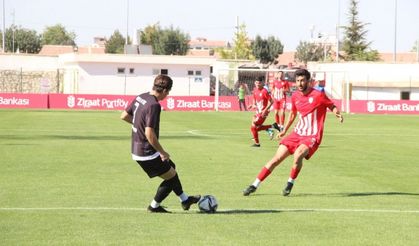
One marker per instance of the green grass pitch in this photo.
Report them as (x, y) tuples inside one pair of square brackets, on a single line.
[(67, 178)]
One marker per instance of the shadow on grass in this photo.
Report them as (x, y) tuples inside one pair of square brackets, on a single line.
[(17, 144), (185, 137), (64, 137), (358, 194), (87, 137)]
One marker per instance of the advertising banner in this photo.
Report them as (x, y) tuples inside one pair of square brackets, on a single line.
[(12, 100), (85, 101), (384, 107), (182, 103), (199, 103)]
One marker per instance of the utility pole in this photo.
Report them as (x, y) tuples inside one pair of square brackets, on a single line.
[(4, 30), (417, 50), (126, 39), (13, 31), (395, 32), (337, 34), (237, 34)]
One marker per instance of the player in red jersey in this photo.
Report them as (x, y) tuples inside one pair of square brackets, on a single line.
[(311, 106), (262, 102), (279, 90)]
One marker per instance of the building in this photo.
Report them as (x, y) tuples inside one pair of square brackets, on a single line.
[(131, 74), (204, 47), (369, 80)]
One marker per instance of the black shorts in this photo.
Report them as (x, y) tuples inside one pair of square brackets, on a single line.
[(156, 167)]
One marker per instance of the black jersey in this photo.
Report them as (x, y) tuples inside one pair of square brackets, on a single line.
[(145, 110)]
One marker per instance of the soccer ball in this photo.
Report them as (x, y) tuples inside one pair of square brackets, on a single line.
[(208, 204)]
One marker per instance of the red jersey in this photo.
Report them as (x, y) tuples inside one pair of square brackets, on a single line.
[(280, 87), (311, 110), (262, 98)]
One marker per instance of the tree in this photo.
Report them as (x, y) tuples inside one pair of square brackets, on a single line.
[(150, 34), (310, 52), (242, 47), (58, 35), (225, 53), (115, 44), (267, 50), (415, 46), (172, 42), (355, 46), (167, 41), (24, 40)]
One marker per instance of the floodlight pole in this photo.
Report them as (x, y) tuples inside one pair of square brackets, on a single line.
[(126, 40), (395, 32), (417, 50), (337, 34), (13, 31), (4, 29)]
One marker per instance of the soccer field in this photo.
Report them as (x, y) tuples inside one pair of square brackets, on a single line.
[(67, 178)]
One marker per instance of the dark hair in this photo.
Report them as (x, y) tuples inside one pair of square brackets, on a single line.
[(303, 72), (162, 82)]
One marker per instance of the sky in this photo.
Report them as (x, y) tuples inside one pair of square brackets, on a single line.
[(290, 21)]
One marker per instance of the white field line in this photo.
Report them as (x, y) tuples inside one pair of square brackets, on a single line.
[(196, 133), (202, 132), (238, 210)]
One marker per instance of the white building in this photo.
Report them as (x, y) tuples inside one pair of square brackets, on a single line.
[(132, 74), (370, 81)]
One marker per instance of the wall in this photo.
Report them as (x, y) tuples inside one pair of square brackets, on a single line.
[(96, 74), (99, 75), (96, 78), (370, 81), (28, 62), (30, 74)]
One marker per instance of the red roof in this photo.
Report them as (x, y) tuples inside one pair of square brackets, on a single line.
[(203, 42), (55, 50), (407, 57)]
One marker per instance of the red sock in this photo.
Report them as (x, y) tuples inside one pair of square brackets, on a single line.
[(277, 119), (263, 174), (264, 127), (255, 134), (282, 120), (294, 173)]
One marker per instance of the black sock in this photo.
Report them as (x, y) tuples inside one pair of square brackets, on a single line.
[(166, 187), (163, 191), (176, 185)]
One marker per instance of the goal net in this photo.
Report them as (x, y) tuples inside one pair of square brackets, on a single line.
[(227, 82)]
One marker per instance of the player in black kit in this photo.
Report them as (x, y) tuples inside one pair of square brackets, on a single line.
[(144, 115)]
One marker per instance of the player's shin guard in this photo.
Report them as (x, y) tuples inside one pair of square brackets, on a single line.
[(163, 191), (176, 185), (264, 127), (277, 119), (294, 173), (255, 134), (263, 174)]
